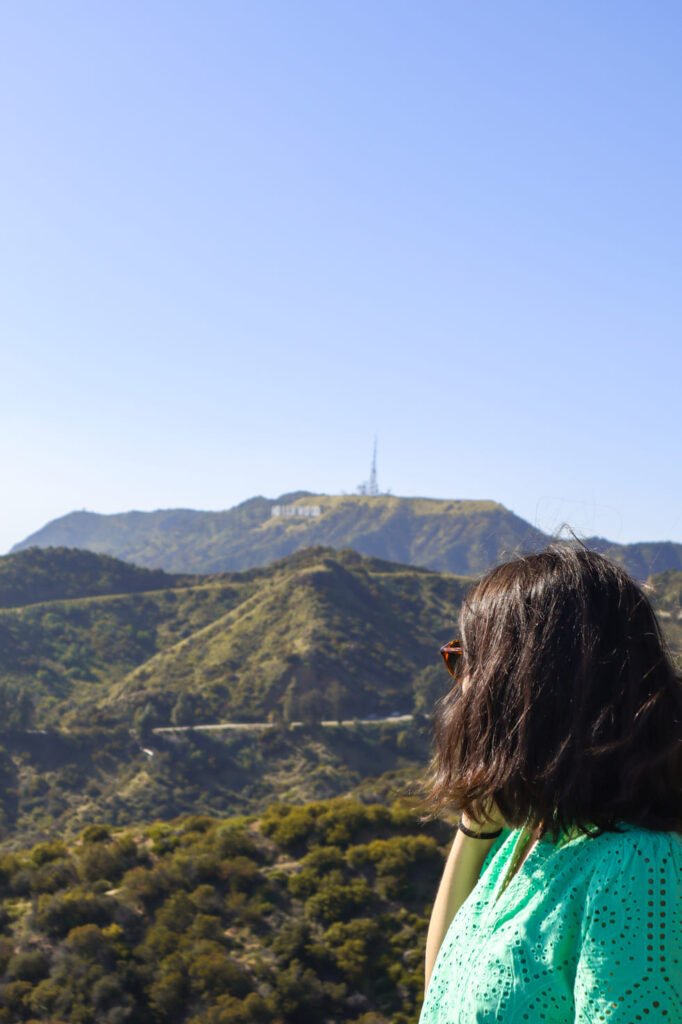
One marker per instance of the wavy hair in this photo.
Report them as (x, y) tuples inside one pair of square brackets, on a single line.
[(572, 713)]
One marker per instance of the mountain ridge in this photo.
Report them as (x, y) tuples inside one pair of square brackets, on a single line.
[(466, 537)]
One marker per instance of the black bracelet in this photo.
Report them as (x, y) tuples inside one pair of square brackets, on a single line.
[(479, 835)]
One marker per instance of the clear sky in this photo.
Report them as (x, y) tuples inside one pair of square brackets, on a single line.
[(240, 238)]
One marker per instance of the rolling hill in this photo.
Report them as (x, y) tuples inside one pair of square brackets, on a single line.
[(463, 537), (319, 633), (86, 678), (84, 681)]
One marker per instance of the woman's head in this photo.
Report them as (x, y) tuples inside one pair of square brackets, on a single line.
[(571, 710)]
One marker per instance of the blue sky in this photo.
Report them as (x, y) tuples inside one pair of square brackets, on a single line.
[(240, 239)]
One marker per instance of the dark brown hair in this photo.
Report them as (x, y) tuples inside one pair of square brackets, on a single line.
[(572, 715)]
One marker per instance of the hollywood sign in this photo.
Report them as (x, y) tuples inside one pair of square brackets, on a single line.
[(289, 511)]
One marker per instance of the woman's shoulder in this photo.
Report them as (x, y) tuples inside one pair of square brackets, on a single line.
[(633, 854), (636, 838)]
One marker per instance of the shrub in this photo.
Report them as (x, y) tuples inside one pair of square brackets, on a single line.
[(337, 902), (96, 834), (58, 914), (228, 1010), (145, 885), (32, 966), (212, 970), (16, 997), (353, 946), (177, 913), (206, 898), (289, 827), (54, 875), (291, 940), (44, 997), (89, 943), (109, 861), (234, 841), (43, 853), (169, 990)]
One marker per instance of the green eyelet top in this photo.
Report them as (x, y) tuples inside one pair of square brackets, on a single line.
[(587, 930)]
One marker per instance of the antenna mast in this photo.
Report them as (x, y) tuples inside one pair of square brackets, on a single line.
[(373, 488)]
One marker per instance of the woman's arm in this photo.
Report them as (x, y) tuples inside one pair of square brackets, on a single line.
[(462, 871)]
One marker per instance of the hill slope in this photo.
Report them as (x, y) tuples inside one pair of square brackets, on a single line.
[(317, 635), (317, 913), (39, 574), (464, 537), (321, 633)]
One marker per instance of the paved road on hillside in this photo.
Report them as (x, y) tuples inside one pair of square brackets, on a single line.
[(217, 726)]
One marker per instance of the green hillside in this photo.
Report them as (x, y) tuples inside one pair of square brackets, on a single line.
[(463, 537), (666, 594), (55, 783), (66, 654), (319, 634), (325, 636), (51, 574), (455, 536), (312, 913)]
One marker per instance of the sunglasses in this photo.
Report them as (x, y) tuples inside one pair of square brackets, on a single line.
[(452, 652)]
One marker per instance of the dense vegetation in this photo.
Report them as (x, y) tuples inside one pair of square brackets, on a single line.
[(464, 537), (320, 634), (40, 574), (666, 594), (312, 908), (57, 783), (312, 913)]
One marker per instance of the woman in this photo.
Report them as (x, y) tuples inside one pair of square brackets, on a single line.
[(560, 745)]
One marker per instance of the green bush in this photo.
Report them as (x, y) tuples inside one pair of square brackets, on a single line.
[(212, 971), (146, 885), (205, 929), (228, 1010), (54, 875), (107, 860), (58, 914), (337, 902), (44, 853), (170, 989), (32, 966), (96, 834), (206, 898)]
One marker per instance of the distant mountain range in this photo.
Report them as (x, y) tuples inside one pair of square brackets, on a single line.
[(463, 537)]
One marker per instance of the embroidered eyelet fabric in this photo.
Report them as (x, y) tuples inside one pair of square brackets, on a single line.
[(587, 930)]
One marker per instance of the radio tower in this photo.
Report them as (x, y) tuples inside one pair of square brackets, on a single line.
[(373, 487)]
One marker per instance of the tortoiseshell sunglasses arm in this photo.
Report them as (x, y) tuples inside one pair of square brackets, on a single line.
[(452, 651)]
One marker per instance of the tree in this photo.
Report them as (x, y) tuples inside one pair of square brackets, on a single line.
[(429, 686), (184, 710), (336, 695), (311, 707), (290, 708), (144, 721), (16, 708)]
